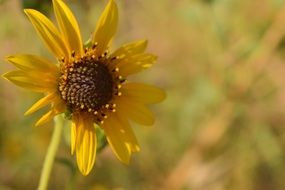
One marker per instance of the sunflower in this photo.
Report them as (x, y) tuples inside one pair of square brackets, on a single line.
[(88, 82)]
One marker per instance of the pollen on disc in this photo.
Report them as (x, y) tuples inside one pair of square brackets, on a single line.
[(86, 84)]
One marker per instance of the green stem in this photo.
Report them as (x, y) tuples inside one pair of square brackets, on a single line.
[(51, 152)]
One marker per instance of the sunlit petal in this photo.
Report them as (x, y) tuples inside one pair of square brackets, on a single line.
[(27, 81), (116, 141), (136, 64), (136, 111), (73, 136), (130, 49), (106, 27), (27, 62), (48, 99), (46, 117), (126, 131), (86, 143), (68, 26), (48, 33), (144, 93)]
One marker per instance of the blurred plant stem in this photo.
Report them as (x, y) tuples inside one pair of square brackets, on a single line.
[(50, 156), (102, 141)]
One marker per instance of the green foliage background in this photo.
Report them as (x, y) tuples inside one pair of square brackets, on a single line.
[(222, 125)]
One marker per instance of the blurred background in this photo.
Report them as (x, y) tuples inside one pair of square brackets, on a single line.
[(222, 126)]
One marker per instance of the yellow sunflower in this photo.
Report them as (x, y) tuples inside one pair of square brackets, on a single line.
[(90, 83)]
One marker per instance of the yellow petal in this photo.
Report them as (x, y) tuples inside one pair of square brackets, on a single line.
[(106, 27), (144, 93), (32, 62), (116, 141), (74, 125), (68, 26), (86, 143), (27, 81), (44, 78), (136, 64), (41, 103), (48, 33), (130, 49), (46, 117), (73, 137), (136, 111), (127, 133)]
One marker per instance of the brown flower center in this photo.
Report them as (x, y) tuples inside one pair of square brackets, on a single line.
[(90, 84), (87, 84)]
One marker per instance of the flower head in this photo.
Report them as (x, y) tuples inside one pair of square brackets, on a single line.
[(90, 83)]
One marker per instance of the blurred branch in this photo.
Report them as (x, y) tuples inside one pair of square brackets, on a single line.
[(192, 160), (259, 59)]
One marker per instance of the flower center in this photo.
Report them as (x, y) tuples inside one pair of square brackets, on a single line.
[(86, 84)]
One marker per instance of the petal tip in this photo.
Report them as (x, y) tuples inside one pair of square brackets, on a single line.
[(83, 168), (137, 148), (9, 57), (126, 161), (37, 124), (85, 172), (28, 11), (106, 26), (144, 42), (40, 123), (6, 76), (27, 113)]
